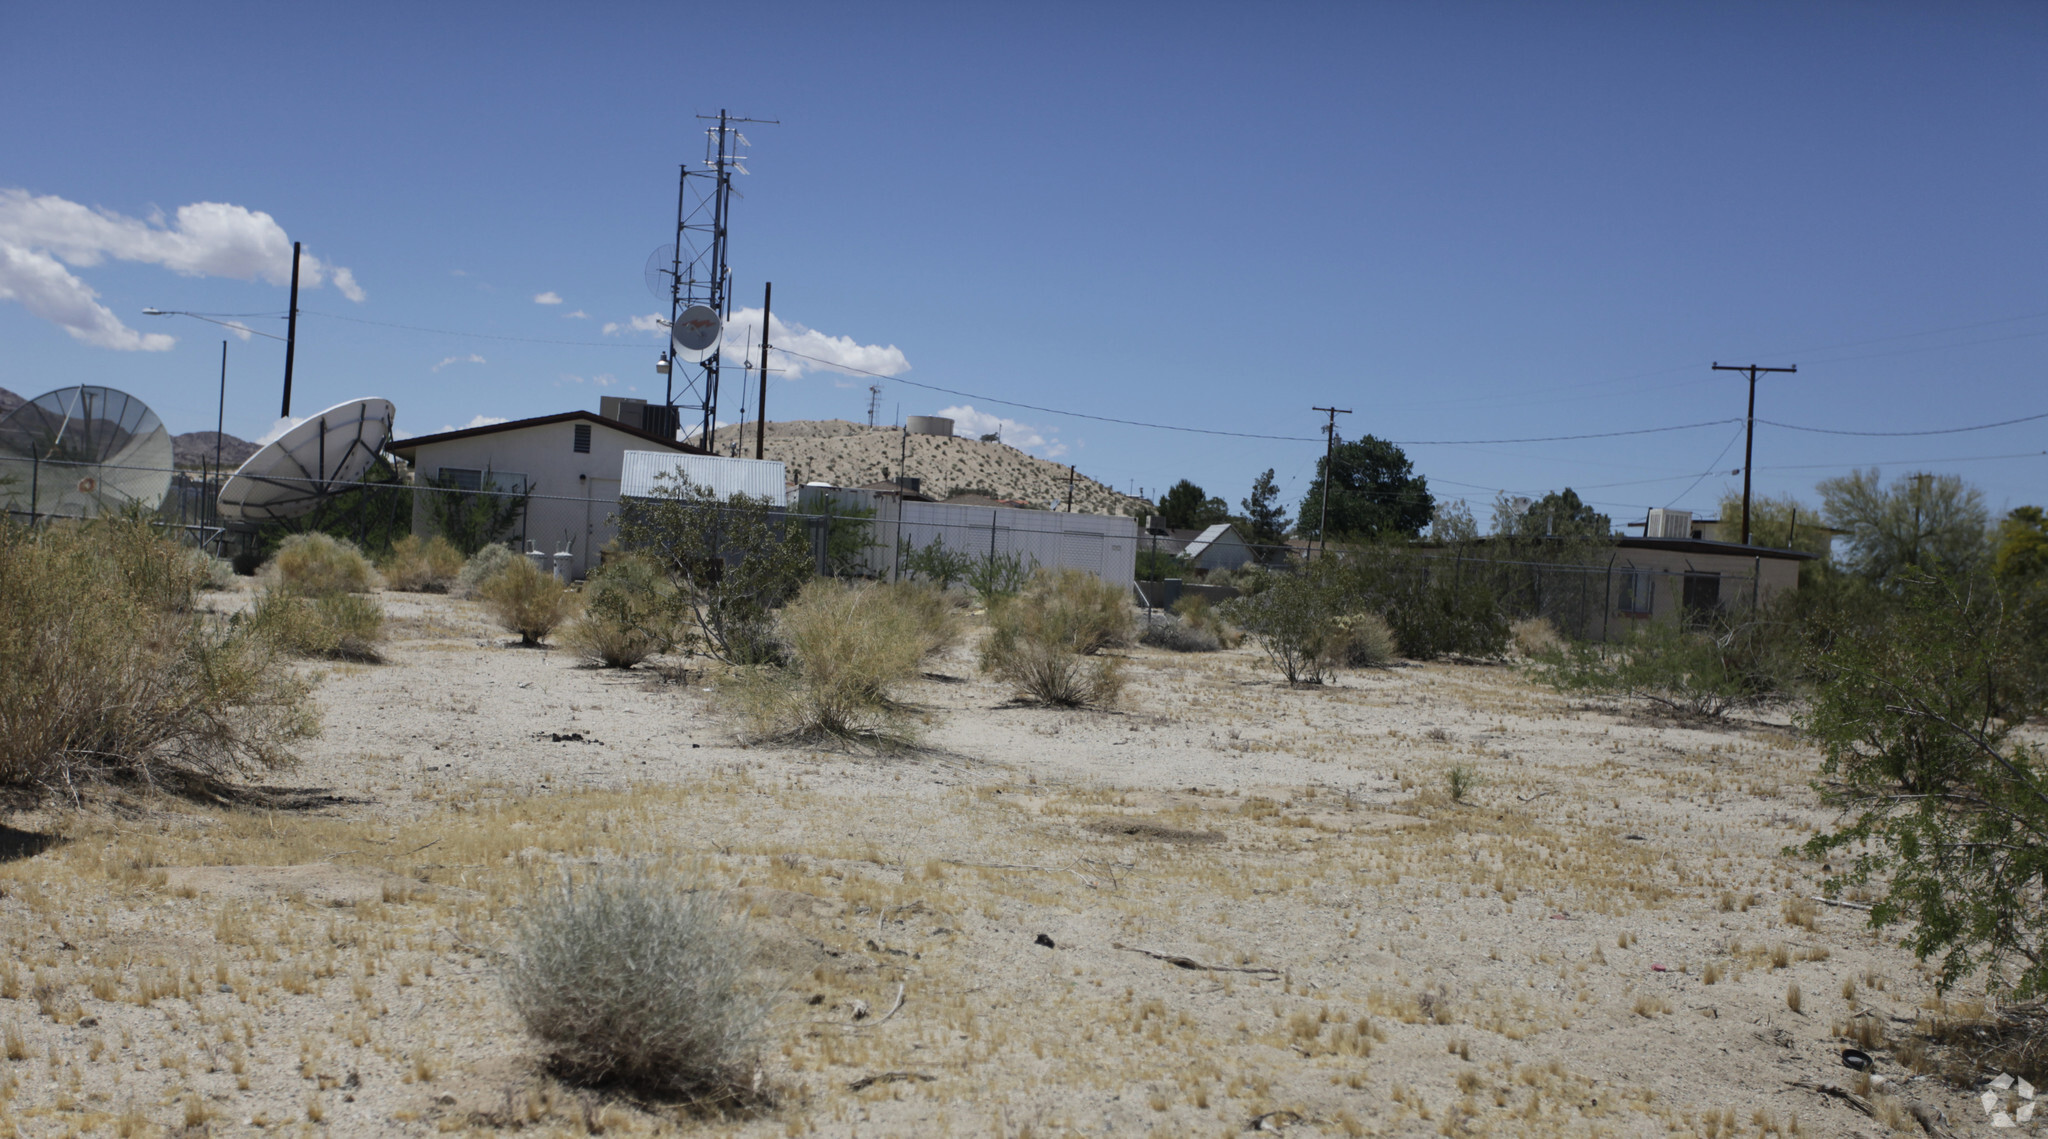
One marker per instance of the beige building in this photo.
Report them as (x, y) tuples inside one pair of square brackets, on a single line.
[(570, 462), (1653, 579)]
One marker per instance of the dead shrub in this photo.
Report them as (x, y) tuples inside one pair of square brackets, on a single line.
[(1166, 631), (1534, 636), (106, 669), (637, 978), (849, 646), (316, 565), (1363, 640), (527, 600), (416, 566), (1039, 639), (482, 566)]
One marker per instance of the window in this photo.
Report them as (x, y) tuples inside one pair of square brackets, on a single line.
[(583, 438), (457, 478), (1638, 592), (1702, 598)]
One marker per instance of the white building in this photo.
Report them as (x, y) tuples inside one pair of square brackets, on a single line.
[(1103, 544), (1217, 548), (570, 462)]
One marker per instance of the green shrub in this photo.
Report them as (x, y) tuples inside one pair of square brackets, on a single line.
[(316, 565), (1195, 611), (1166, 631), (1295, 621), (1159, 565), (637, 977), (482, 566), (627, 615), (733, 561), (107, 670), (342, 626), (416, 566), (1915, 704), (935, 563), (1700, 674), (527, 600), (1039, 639), (994, 576)]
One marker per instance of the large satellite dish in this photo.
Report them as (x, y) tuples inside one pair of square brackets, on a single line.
[(695, 334), (77, 452), (320, 458)]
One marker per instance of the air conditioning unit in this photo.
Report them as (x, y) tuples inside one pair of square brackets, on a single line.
[(1668, 524)]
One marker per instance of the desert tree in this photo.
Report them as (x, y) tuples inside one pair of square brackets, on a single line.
[(1921, 521), (1374, 493)]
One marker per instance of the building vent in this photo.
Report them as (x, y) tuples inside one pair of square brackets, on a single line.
[(1668, 524), (583, 438)]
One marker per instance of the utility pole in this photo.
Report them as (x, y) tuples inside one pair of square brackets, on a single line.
[(1919, 489), (1329, 453), (220, 423), (1749, 430), (291, 333), (1070, 488), (761, 425)]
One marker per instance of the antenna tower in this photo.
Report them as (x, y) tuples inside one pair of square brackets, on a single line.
[(698, 273), (874, 402)]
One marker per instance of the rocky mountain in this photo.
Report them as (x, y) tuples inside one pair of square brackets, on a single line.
[(195, 449), (9, 401), (853, 454)]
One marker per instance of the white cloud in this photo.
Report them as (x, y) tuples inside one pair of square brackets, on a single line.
[(476, 421), (820, 351), (206, 239), (241, 330), (548, 298), (472, 358), (579, 314), (652, 322), (39, 284), (969, 422), (278, 429), (602, 379)]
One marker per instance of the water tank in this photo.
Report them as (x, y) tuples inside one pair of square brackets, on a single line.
[(930, 425)]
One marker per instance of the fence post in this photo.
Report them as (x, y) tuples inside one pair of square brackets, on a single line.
[(1607, 597)]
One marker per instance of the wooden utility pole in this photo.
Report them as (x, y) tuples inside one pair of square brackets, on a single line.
[(291, 333), (1329, 451), (1749, 430), (761, 427)]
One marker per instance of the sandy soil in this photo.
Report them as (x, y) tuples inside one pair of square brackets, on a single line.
[(1263, 909)]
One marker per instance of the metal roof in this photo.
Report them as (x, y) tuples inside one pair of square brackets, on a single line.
[(642, 472)]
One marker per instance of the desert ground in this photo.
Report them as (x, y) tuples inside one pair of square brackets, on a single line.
[(1228, 905)]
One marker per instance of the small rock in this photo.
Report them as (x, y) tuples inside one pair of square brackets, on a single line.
[(1041, 939), (89, 1022), (445, 1100)]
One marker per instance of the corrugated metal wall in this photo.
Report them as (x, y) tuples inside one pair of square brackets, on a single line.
[(1102, 544), (755, 478)]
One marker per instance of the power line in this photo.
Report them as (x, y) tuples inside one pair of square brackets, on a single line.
[(477, 335), (1901, 434)]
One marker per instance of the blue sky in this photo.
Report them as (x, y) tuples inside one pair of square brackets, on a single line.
[(1464, 221)]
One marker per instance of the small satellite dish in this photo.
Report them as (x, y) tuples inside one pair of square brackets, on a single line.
[(695, 334), (320, 458), (661, 270), (77, 452)]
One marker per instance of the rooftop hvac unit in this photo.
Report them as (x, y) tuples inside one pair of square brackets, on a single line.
[(1668, 524)]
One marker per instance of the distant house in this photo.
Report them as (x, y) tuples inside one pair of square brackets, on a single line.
[(1217, 548), (1652, 579), (569, 462)]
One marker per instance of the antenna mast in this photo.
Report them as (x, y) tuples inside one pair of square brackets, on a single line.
[(698, 272)]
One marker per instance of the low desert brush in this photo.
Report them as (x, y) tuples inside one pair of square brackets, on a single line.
[(1040, 640), (1166, 631), (343, 626), (628, 614), (482, 566), (1534, 636), (422, 566), (527, 600), (1363, 640), (849, 647), (316, 565), (107, 669), (635, 977)]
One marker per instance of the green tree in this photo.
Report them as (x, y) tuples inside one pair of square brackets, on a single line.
[(1374, 493), (1930, 522), (1265, 520), (733, 562), (1559, 514), (473, 519), (1186, 506), (2020, 556)]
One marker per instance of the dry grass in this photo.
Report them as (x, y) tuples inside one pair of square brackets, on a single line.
[(850, 647), (338, 626), (1039, 640), (627, 614)]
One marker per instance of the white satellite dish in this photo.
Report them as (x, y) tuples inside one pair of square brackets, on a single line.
[(320, 458), (695, 333), (77, 452)]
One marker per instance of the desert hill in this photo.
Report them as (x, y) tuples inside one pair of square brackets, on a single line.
[(9, 401), (845, 453)]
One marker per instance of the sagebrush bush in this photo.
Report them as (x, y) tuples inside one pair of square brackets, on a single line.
[(527, 600), (209, 571), (422, 566), (1534, 636), (1038, 639), (1363, 640), (1166, 631), (343, 626), (482, 566), (628, 614), (637, 977), (315, 565), (849, 647), (1295, 620), (1196, 612), (1697, 673), (107, 671)]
